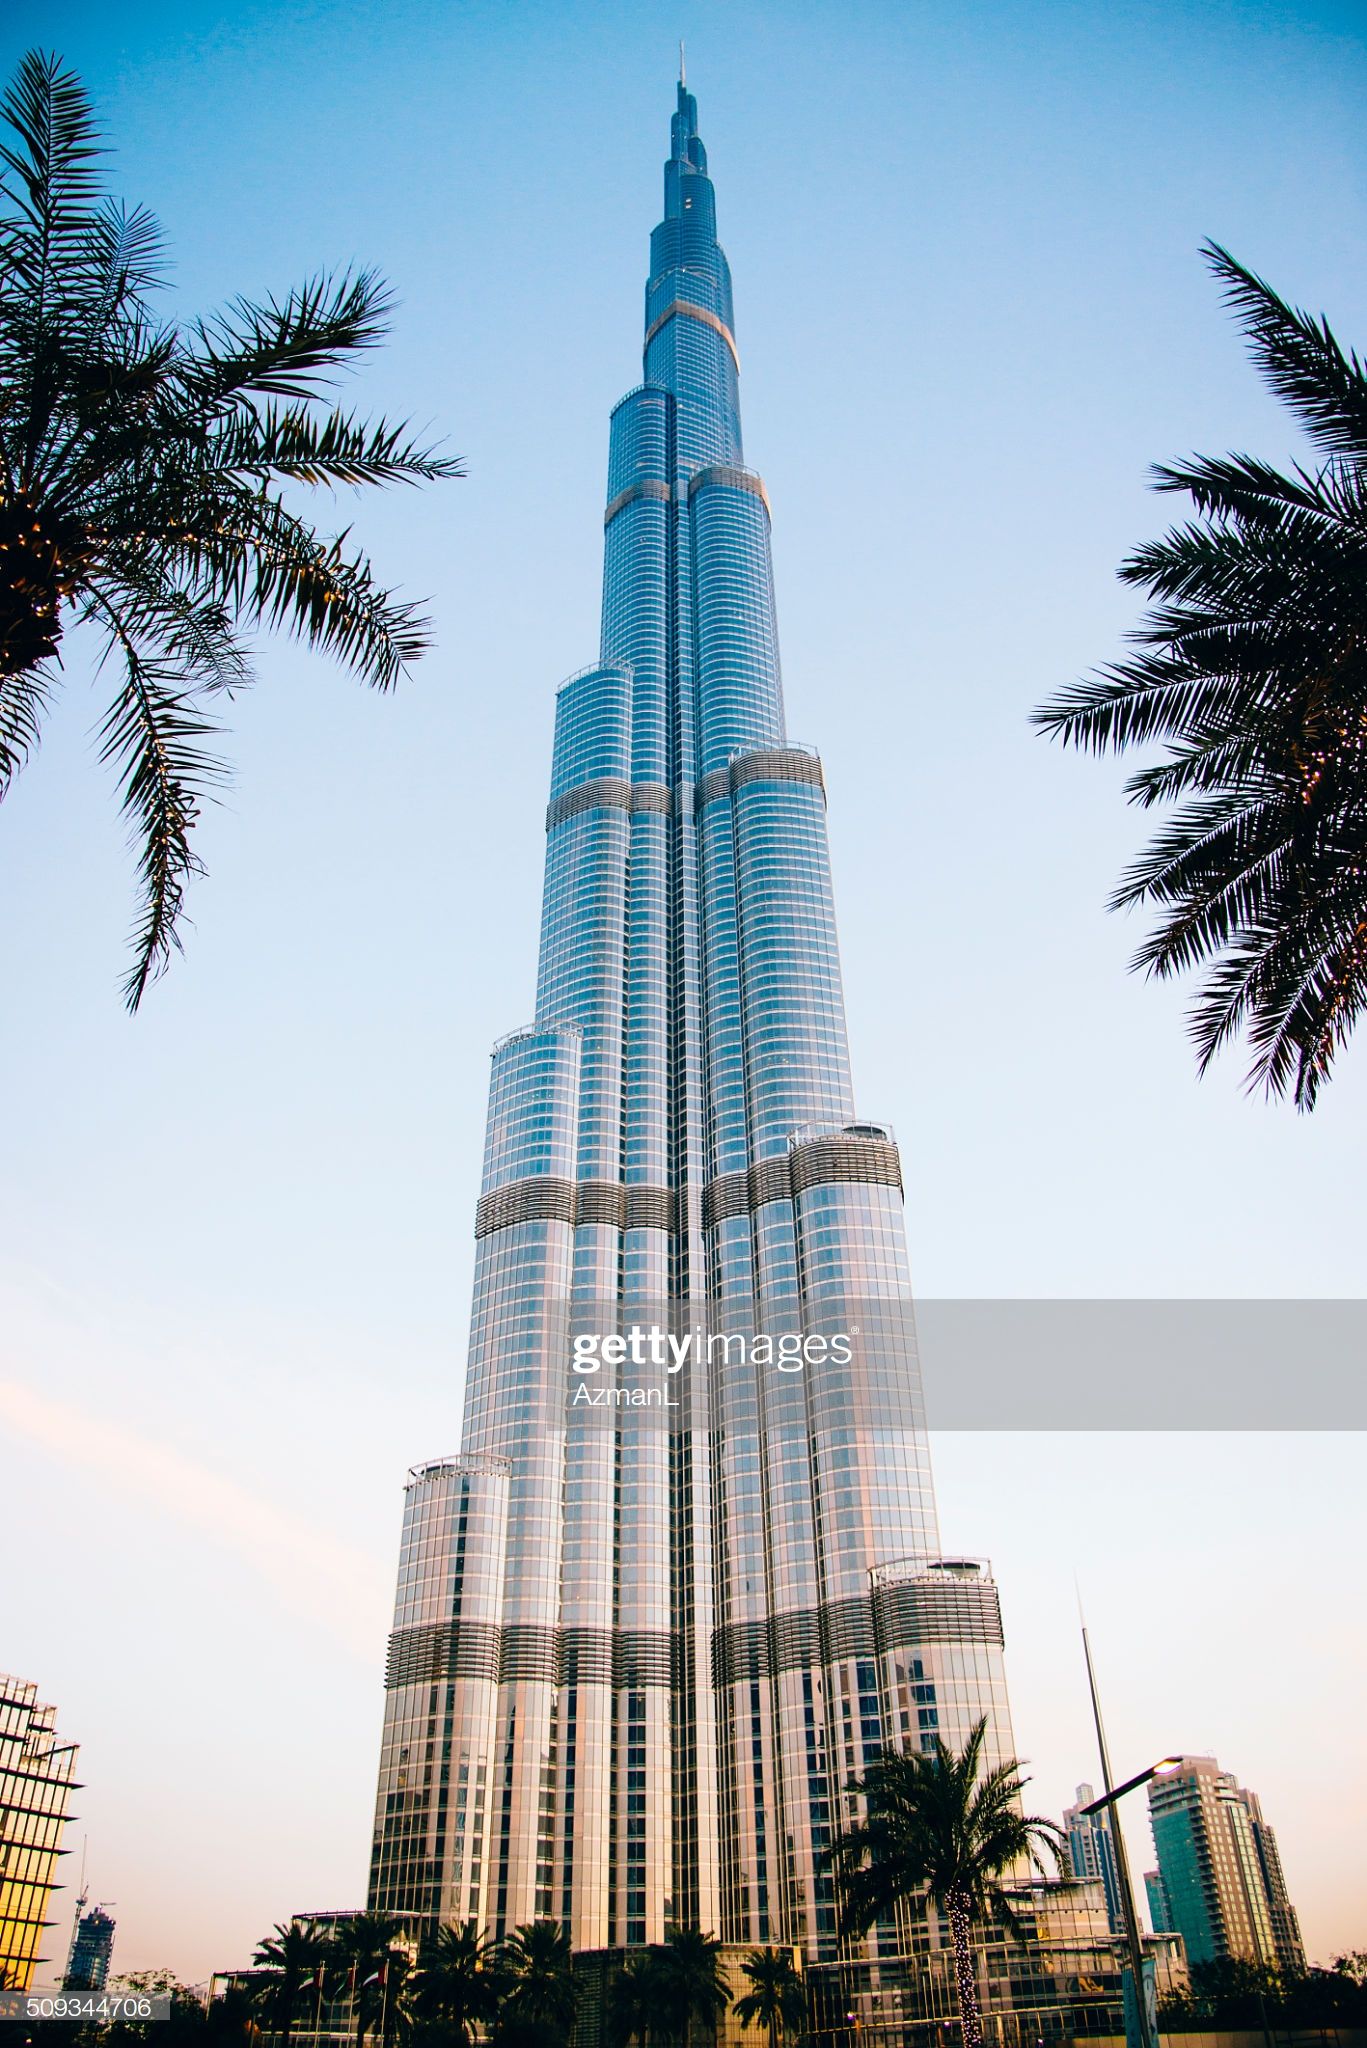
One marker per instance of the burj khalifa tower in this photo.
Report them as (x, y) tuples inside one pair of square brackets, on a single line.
[(650, 1621)]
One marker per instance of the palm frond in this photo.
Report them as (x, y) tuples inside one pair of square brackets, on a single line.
[(1298, 984), (23, 700), (1140, 699), (49, 177), (124, 253), (289, 348), (153, 734), (141, 466), (1241, 486), (272, 566), (1299, 357), (337, 449)]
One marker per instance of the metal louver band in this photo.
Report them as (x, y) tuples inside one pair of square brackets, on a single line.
[(648, 487), (765, 764), (607, 793), (541, 1198), (795, 1641), (600, 1201), (442, 1650), (769, 1180), (626, 1659), (820, 1160), (813, 1163), (924, 1611), (732, 479), (650, 1208), (899, 1616), (689, 311)]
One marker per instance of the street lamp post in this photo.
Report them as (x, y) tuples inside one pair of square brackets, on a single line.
[(1122, 1860)]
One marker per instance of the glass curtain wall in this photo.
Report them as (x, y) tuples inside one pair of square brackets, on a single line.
[(686, 1630)]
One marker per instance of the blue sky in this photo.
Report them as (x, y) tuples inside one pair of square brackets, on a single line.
[(235, 1245)]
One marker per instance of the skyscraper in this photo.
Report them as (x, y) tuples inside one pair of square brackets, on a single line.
[(92, 1951), (1220, 1873), (666, 1601), (1286, 1926), (1160, 1912), (36, 1781), (1091, 1851)]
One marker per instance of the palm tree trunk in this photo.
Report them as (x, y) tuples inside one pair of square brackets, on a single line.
[(965, 1968)]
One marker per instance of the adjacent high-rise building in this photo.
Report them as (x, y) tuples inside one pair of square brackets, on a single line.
[(1160, 1912), (92, 1950), (684, 1576), (1220, 1879), (1091, 1851), (1286, 1927), (36, 1781)]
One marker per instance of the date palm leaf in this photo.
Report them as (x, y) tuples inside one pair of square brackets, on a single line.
[(1251, 674), (143, 473)]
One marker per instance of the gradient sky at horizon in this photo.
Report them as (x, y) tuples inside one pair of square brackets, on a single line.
[(235, 1234)]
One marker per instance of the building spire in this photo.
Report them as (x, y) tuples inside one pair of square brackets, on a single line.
[(685, 144)]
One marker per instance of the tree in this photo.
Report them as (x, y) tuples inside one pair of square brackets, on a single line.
[(536, 1982), (454, 1988), (185, 2024), (636, 1997), (228, 2021), (939, 1825), (692, 1987), (777, 1999), (290, 1957), (367, 1965), (1252, 670), (142, 471)]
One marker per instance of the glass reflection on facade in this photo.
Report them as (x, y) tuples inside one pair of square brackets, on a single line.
[(92, 1951), (633, 1667), (36, 1781), (1219, 1879)]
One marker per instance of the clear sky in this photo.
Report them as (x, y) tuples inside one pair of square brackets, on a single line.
[(235, 1234)]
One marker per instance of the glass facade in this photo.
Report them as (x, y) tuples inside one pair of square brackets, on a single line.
[(1219, 1877), (1091, 1851), (635, 1662), (36, 1781), (92, 1951)]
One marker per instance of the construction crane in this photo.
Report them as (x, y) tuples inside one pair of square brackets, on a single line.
[(81, 1902)]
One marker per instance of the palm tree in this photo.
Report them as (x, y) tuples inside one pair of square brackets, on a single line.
[(637, 1996), (1252, 670), (364, 1953), (937, 1825), (291, 1956), (693, 1987), (141, 475), (777, 2000), (455, 1989), (640, 1999), (537, 1985)]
